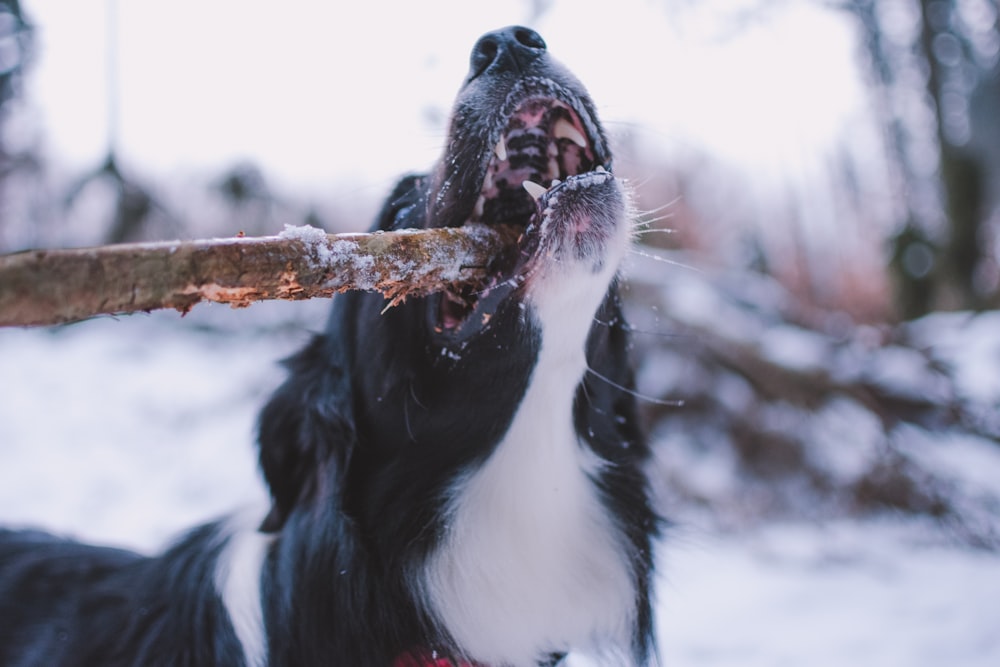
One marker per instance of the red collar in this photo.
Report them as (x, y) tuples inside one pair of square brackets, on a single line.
[(425, 658)]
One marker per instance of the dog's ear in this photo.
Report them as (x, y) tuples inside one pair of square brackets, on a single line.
[(306, 432)]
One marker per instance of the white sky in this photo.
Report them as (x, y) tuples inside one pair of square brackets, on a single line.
[(323, 93)]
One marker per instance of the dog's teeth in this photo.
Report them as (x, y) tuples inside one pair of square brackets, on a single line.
[(555, 182), (501, 149), (477, 213), (553, 167), (565, 130), (534, 189), (600, 169)]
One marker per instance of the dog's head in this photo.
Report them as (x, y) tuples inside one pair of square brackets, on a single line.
[(524, 149), (399, 402)]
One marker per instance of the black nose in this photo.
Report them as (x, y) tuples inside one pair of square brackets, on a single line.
[(509, 49)]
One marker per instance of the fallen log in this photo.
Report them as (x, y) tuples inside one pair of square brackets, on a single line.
[(42, 287)]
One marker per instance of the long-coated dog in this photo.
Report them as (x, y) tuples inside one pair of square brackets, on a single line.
[(458, 480)]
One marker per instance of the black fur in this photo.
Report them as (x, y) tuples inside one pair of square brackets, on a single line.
[(63, 603), (378, 418)]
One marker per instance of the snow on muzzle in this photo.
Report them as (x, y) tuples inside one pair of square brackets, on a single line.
[(583, 219)]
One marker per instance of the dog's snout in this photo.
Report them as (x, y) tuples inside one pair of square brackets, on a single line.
[(509, 49)]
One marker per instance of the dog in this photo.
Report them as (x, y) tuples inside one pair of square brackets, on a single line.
[(455, 480)]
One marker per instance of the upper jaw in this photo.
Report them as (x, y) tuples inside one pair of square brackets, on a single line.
[(543, 134), (491, 134)]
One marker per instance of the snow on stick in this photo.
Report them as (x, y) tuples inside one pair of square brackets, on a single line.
[(40, 287)]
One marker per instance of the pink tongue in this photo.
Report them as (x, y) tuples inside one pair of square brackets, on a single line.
[(451, 314)]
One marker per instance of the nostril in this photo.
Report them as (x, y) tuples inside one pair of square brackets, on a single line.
[(529, 38), (483, 55)]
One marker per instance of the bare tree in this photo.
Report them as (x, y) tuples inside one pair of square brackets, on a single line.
[(927, 79)]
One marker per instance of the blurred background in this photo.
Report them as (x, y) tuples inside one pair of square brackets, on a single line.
[(813, 295), (849, 148)]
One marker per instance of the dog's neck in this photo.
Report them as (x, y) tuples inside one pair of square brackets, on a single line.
[(532, 563)]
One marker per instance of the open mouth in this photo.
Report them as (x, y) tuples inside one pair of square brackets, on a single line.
[(543, 143)]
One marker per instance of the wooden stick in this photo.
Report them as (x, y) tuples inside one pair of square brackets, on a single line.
[(41, 287)]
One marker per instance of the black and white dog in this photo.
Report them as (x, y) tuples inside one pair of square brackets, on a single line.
[(456, 481)]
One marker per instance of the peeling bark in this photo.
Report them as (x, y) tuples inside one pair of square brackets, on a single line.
[(42, 287)]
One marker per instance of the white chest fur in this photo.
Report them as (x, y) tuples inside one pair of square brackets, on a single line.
[(532, 562)]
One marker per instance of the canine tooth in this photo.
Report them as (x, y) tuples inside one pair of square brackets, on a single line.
[(600, 169), (501, 149), (555, 182), (565, 130), (534, 189)]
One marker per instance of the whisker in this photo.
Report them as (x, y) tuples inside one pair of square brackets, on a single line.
[(650, 218), (586, 394), (637, 185), (643, 232), (641, 225), (678, 403), (628, 328), (643, 222), (636, 251), (662, 207)]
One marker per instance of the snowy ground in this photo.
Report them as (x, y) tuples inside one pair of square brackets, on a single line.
[(127, 431)]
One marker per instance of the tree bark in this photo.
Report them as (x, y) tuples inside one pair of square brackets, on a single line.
[(42, 287)]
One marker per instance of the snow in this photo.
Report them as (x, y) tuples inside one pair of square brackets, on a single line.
[(847, 594), (304, 233), (847, 438), (790, 346), (969, 345), (127, 431), (966, 460)]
